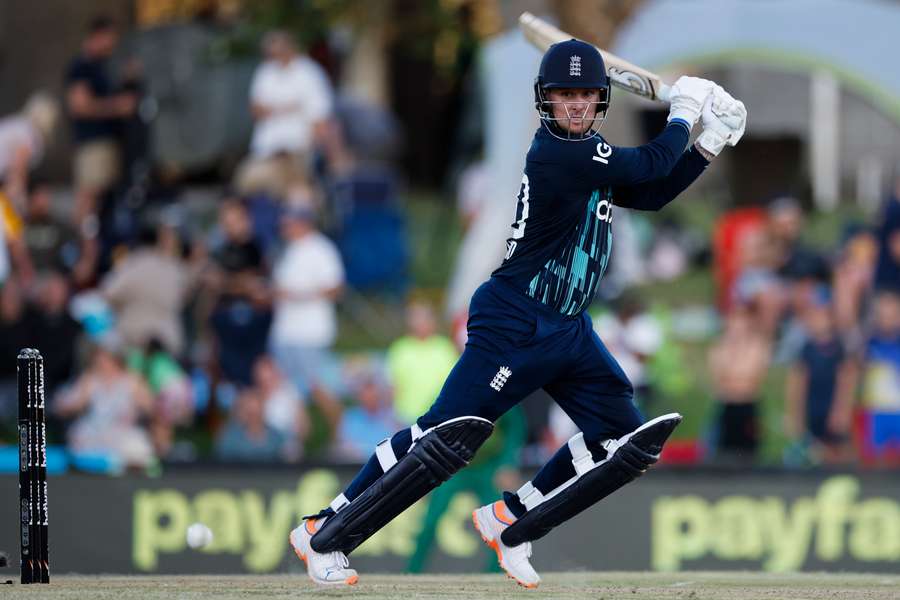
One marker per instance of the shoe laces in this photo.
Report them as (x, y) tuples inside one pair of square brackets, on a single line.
[(523, 550), (339, 558)]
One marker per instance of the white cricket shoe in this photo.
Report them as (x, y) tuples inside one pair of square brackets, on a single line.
[(327, 569), (490, 521)]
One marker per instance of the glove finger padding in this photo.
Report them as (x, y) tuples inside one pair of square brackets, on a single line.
[(731, 112), (740, 113), (687, 98), (715, 132)]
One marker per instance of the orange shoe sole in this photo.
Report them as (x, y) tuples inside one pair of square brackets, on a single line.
[(493, 544), (349, 581)]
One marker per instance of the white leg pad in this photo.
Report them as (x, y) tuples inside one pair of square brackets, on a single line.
[(338, 503), (581, 456), (529, 496), (385, 454)]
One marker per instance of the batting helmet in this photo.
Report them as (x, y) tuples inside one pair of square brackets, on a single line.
[(571, 64)]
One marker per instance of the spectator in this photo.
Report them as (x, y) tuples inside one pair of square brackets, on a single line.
[(13, 337), (737, 383), (729, 231), (14, 259), (881, 381), (633, 335), (51, 329), (799, 296), (24, 138), (110, 403), (368, 422), (5, 266), (757, 283), (290, 99), (97, 111), (285, 407), (472, 192), (820, 386), (247, 437), (147, 290), (791, 257), (307, 280), (171, 389), (852, 278), (418, 363), (52, 243), (887, 273), (242, 314)]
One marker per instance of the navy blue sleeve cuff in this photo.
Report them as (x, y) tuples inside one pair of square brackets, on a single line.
[(681, 122)]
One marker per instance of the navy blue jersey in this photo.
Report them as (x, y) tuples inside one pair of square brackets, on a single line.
[(94, 74), (562, 236)]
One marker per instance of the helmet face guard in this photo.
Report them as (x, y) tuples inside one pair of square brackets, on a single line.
[(572, 64), (553, 123)]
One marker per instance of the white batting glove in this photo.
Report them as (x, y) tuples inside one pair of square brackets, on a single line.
[(687, 97), (724, 120), (726, 106)]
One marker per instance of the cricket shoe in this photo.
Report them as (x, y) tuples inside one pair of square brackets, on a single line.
[(490, 521), (330, 568)]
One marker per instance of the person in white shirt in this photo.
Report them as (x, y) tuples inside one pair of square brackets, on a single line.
[(307, 280), (291, 100)]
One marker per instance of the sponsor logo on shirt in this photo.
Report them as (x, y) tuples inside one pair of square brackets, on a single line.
[(604, 151), (604, 211)]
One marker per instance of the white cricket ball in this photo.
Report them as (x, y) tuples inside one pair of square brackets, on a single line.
[(199, 536)]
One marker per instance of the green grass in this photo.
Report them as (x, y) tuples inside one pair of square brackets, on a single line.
[(636, 586)]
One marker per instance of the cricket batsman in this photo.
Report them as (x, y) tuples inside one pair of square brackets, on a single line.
[(528, 328)]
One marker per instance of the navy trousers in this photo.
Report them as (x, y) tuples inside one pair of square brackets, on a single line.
[(517, 345)]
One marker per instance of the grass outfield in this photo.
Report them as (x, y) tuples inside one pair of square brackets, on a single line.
[(635, 586)]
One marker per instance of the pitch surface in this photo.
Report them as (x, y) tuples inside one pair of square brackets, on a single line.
[(636, 586)]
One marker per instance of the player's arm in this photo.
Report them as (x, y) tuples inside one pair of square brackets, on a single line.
[(724, 119), (612, 165), (653, 195)]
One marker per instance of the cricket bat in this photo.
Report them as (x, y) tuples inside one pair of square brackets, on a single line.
[(622, 73)]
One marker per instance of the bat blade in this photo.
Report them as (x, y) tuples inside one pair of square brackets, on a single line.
[(622, 73)]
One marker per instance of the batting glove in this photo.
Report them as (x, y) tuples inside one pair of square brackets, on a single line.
[(687, 98), (724, 121)]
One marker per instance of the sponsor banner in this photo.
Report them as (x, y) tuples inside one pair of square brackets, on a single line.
[(669, 520)]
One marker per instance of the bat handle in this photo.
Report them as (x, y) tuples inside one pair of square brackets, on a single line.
[(664, 93)]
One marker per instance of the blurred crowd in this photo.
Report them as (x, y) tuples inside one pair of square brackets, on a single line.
[(155, 326), (832, 319), (172, 336)]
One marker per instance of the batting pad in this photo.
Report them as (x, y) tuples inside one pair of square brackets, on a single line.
[(627, 458), (432, 460)]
